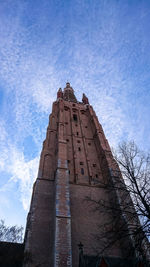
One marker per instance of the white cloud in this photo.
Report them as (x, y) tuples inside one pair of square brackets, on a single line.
[(25, 174), (19, 171)]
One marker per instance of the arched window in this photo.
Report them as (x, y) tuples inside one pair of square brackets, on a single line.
[(75, 117)]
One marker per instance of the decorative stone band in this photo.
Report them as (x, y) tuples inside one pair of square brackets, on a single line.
[(63, 251)]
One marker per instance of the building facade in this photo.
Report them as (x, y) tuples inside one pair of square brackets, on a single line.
[(75, 160)]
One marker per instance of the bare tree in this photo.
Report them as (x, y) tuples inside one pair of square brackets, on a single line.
[(135, 168), (11, 233), (127, 207)]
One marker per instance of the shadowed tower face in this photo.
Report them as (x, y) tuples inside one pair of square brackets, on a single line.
[(75, 159)]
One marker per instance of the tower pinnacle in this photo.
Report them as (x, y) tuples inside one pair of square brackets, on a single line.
[(67, 85), (69, 93), (85, 99), (59, 93)]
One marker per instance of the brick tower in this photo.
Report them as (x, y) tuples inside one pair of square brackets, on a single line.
[(75, 158)]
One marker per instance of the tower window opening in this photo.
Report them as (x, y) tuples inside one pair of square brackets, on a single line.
[(82, 171), (81, 163), (67, 140), (77, 133), (94, 165), (89, 144), (66, 108), (79, 148), (75, 117), (76, 125), (96, 175), (86, 127), (69, 171), (68, 161), (78, 141), (74, 105), (66, 122)]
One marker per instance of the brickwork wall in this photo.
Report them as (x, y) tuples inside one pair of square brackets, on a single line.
[(39, 243), (86, 222)]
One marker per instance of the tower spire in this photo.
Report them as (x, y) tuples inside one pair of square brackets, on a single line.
[(69, 93)]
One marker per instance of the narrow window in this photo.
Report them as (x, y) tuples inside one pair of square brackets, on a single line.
[(74, 105), (67, 140), (82, 171), (79, 148), (89, 144), (94, 165), (69, 171), (78, 141), (68, 161), (85, 126), (77, 133), (81, 163), (75, 117), (96, 176), (66, 108)]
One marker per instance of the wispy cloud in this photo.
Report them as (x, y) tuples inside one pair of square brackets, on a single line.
[(19, 170)]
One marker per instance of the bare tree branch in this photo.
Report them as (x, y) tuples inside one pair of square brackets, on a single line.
[(11, 233)]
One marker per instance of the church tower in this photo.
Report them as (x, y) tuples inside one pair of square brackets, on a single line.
[(75, 159)]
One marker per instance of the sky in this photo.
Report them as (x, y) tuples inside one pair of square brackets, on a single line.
[(102, 47)]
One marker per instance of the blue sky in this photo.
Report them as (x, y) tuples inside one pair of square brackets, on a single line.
[(102, 47)]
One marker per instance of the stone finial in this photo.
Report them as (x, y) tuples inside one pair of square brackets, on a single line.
[(67, 85), (85, 99), (59, 93)]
